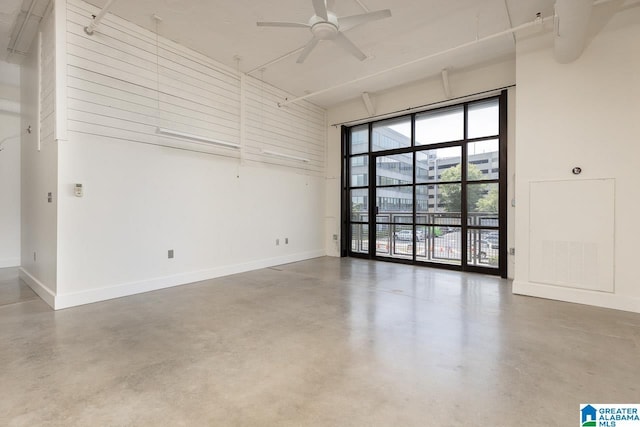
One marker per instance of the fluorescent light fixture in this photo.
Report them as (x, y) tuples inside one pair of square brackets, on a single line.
[(285, 156), (197, 138)]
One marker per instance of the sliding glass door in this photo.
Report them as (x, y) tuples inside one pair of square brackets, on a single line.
[(429, 187)]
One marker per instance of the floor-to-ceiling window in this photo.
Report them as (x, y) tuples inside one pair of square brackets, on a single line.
[(430, 187)]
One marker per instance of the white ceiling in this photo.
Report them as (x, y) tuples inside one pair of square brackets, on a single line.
[(19, 20), (9, 10), (223, 30)]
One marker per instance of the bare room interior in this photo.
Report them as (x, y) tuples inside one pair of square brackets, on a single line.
[(318, 212)]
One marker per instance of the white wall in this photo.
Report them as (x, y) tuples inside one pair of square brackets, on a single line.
[(9, 165), (582, 114), (463, 82), (140, 201), (39, 166), (221, 210)]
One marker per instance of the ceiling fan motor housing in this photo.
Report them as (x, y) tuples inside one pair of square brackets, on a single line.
[(324, 30), (325, 25)]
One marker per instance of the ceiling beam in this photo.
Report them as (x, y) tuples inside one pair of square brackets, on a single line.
[(445, 83), (368, 104)]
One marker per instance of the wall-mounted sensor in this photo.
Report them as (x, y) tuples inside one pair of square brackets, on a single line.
[(77, 189), (577, 170)]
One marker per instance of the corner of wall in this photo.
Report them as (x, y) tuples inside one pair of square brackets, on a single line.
[(39, 166), (571, 115), (10, 141)]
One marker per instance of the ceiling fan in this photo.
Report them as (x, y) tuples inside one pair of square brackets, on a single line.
[(325, 25)]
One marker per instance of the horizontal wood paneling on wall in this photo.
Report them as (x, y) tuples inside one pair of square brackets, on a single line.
[(47, 81), (125, 81)]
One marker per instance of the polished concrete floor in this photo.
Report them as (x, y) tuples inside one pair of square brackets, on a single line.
[(13, 290), (324, 342)]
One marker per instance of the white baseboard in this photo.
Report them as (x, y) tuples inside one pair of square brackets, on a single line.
[(9, 262), (38, 287), (579, 296), (132, 288)]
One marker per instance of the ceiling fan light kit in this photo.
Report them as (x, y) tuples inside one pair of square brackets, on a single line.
[(324, 31), (326, 25)]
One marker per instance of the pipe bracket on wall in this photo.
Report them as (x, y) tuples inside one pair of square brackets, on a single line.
[(95, 21)]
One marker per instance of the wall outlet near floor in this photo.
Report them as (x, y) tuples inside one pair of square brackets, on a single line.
[(277, 242), (335, 237), (512, 251), (170, 253)]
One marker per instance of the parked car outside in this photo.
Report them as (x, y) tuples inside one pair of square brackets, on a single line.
[(408, 235), (493, 239), (483, 250)]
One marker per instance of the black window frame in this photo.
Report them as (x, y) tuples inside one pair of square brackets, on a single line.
[(346, 240)]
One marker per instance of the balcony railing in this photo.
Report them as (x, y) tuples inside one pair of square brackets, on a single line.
[(437, 237)]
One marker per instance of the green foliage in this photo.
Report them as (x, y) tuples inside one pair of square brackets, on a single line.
[(477, 200), (450, 195), (488, 203)]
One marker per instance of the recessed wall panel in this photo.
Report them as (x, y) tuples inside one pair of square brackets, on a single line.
[(571, 233)]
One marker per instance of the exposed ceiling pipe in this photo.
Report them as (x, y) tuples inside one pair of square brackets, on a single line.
[(571, 26), (96, 19), (9, 107), (537, 22), (12, 49), (2, 141), (278, 59), (363, 6), (506, 8)]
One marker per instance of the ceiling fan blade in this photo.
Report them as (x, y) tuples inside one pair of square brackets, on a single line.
[(307, 50), (321, 9), (330, 5), (282, 24), (348, 22), (348, 45)]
